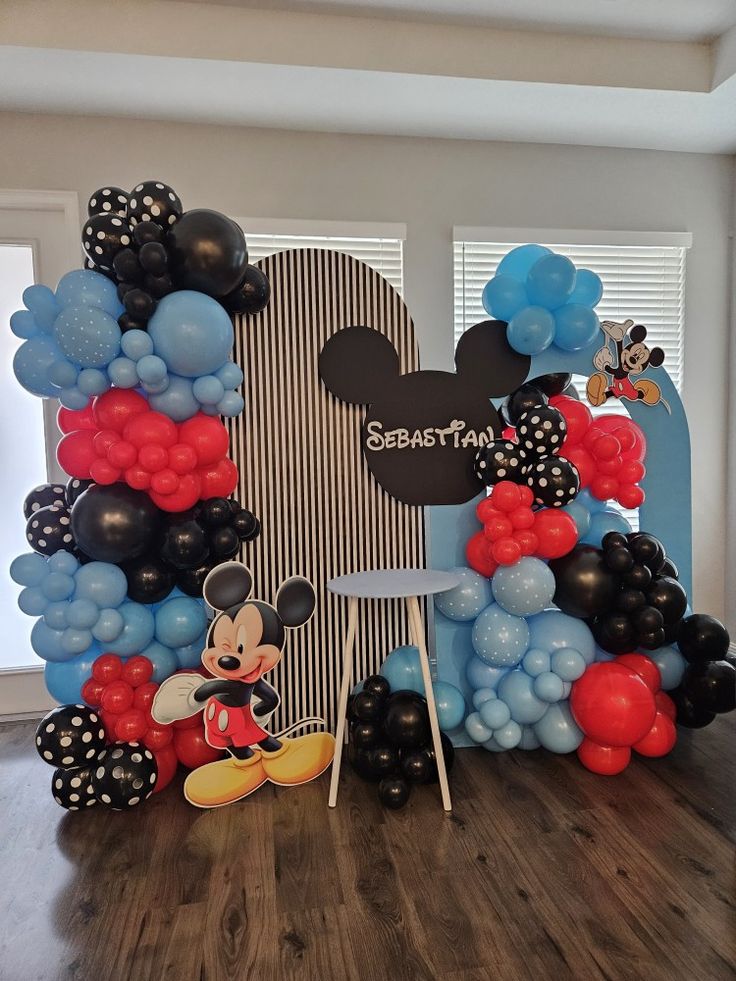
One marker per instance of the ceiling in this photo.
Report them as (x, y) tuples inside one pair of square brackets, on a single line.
[(672, 20)]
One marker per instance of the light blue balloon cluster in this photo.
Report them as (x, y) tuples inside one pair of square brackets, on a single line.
[(594, 519), (545, 299), (84, 608), (403, 672), (182, 361), (69, 338)]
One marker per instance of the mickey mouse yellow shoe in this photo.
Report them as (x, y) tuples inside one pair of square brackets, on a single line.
[(224, 781), (596, 388), (300, 759)]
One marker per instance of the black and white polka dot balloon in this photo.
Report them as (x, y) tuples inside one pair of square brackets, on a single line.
[(500, 460), (554, 482), (44, 496), (541, 431), (75, 487), (72, 788), (156, 202), (70, 736), (108, 200), (49, 530), (103, 236), (125, 776)]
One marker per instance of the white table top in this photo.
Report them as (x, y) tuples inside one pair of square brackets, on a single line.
[(393, 583)]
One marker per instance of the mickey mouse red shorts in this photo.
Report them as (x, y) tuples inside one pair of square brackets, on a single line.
[(623, 389), (226, 726)]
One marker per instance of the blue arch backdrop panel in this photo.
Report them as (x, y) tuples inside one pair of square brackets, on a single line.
[(666, 512)]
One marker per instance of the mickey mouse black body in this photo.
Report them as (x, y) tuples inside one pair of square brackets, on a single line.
[(632, 358), (244, 642)]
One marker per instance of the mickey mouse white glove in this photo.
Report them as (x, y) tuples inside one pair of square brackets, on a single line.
[(602, 358), (175, 698)]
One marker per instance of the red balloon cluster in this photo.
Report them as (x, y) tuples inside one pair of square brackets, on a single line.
[(608, 452), (119, 438), (511, 530), (619, 706), (123, 692)]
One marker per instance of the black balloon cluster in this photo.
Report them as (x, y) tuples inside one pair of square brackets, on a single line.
[(708, 686), (157, 551), (88, 772), (533, 459), (146, 243), (390, 741)]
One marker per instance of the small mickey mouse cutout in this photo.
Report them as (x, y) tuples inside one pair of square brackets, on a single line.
[(422, 430), (624, 355)]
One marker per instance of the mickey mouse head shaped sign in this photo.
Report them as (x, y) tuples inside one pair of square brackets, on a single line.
[(423, 429)]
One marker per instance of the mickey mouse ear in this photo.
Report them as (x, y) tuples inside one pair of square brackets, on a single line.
[(227, 585), (485, 359), (357, 362)]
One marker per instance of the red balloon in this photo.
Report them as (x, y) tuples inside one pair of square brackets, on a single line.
[(165, 481), (581, 460), (521, 517), (610, 468), (207, 437), (70, 419), (556, 532), (167, 763), (605, 760), (103, 472), (137, 670), (117, 697), (184, 497), (630, 436), (606, 447), (113, 409), (182, 458), (665, 705), (612, 704), (137, 478), (484, 510), (603, 487), (144, 695), (151, 427), (506, 496), (122, 454), (92, 692), (76, 453), (644, 667), (526, 540), (191, 722), (193, 750), (660, 739), (108, 721), (158, 736), (107, 668), (577, 416), (506, 551), (478, 555), (630, 496), (631, 472), (130, 726), (497, 527), (220, 480), (153, 457), (527, 496)]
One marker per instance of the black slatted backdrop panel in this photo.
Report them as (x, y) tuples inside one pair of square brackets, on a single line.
[(302, 470)]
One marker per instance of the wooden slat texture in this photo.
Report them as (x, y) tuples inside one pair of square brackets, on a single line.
[(302, 469), (542, 871)]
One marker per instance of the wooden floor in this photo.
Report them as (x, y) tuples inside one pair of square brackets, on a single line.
[(542, 871)]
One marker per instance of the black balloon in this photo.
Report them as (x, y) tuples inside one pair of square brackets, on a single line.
[(585, 586), (552, 384), (147, 231), (358, 759), (406, 722), (44, 496), (711, 687), (75, 488), (103, 236), (207, 253), (368, 706), (49, 530), (647, 550), (127, 269), (184, 542), (527, 396), (246, 525), (215, 512), (72, 787), (139, 304), (630, 600), (667, 596), (614, 539), (689, 714), (70, 736), (378, 684), (393, 792), (252, 295), (619, 559), (153, 258), (365, 735), (125, 776), (638, 577), (702, 638), (541, 431), (114, 523), (384, 760), (108, 200), (669, 569), (418, 766), (155, 202), (191, 581), (158, 286), (615, 633), (647, 620), (149, 579), (224, 544), (499, 460), (554, 482)]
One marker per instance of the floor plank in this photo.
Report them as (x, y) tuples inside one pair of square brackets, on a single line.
[(543, 870)]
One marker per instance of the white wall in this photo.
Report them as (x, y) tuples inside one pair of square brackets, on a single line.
[(432, 185)]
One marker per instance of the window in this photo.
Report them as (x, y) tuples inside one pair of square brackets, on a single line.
[(379, 246)]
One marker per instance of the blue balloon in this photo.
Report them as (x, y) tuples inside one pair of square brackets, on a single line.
[(72, 398), (483, 695), (23, 324), (503, 297), (28, 569), (492, 746), (82, 614), (549, 687), (550, 281), (231, 404), (109, 626), (529, 739), (47, 643), (525, 588), (178, 401), (466, 600), (92, 381), (588, 288), (180, 621), (42, 305), (137, 632), (671, 666), (64, 680), (517, 690), (402, 670), (580, 515), (136, 344), (231, 375), (520, 260), (557, 731), (509, 736), (87, 336), (192, 333), (535, 662), (495, 713), (33, 601), (31, 365), (122, 373), (576, 327), (450, 705), (85, 286), (63, 562), (103, 583), (479, 674), (602, 522), (568, 664), (552, 630), (499, 638), (152, 370), (63, 373), (531, 331), (57, 586), (55, 615), (589, 502), (163, 659), (208, 390), (477, 729), (76, 641), (191, 655)]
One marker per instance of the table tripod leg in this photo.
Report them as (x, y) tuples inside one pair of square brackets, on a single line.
[(342, 707)]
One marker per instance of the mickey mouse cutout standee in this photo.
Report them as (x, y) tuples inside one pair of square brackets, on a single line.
[(244, 642), (625, 343), (423, 429)]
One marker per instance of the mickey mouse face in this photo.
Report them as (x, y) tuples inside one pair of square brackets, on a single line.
[(422, 430)]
